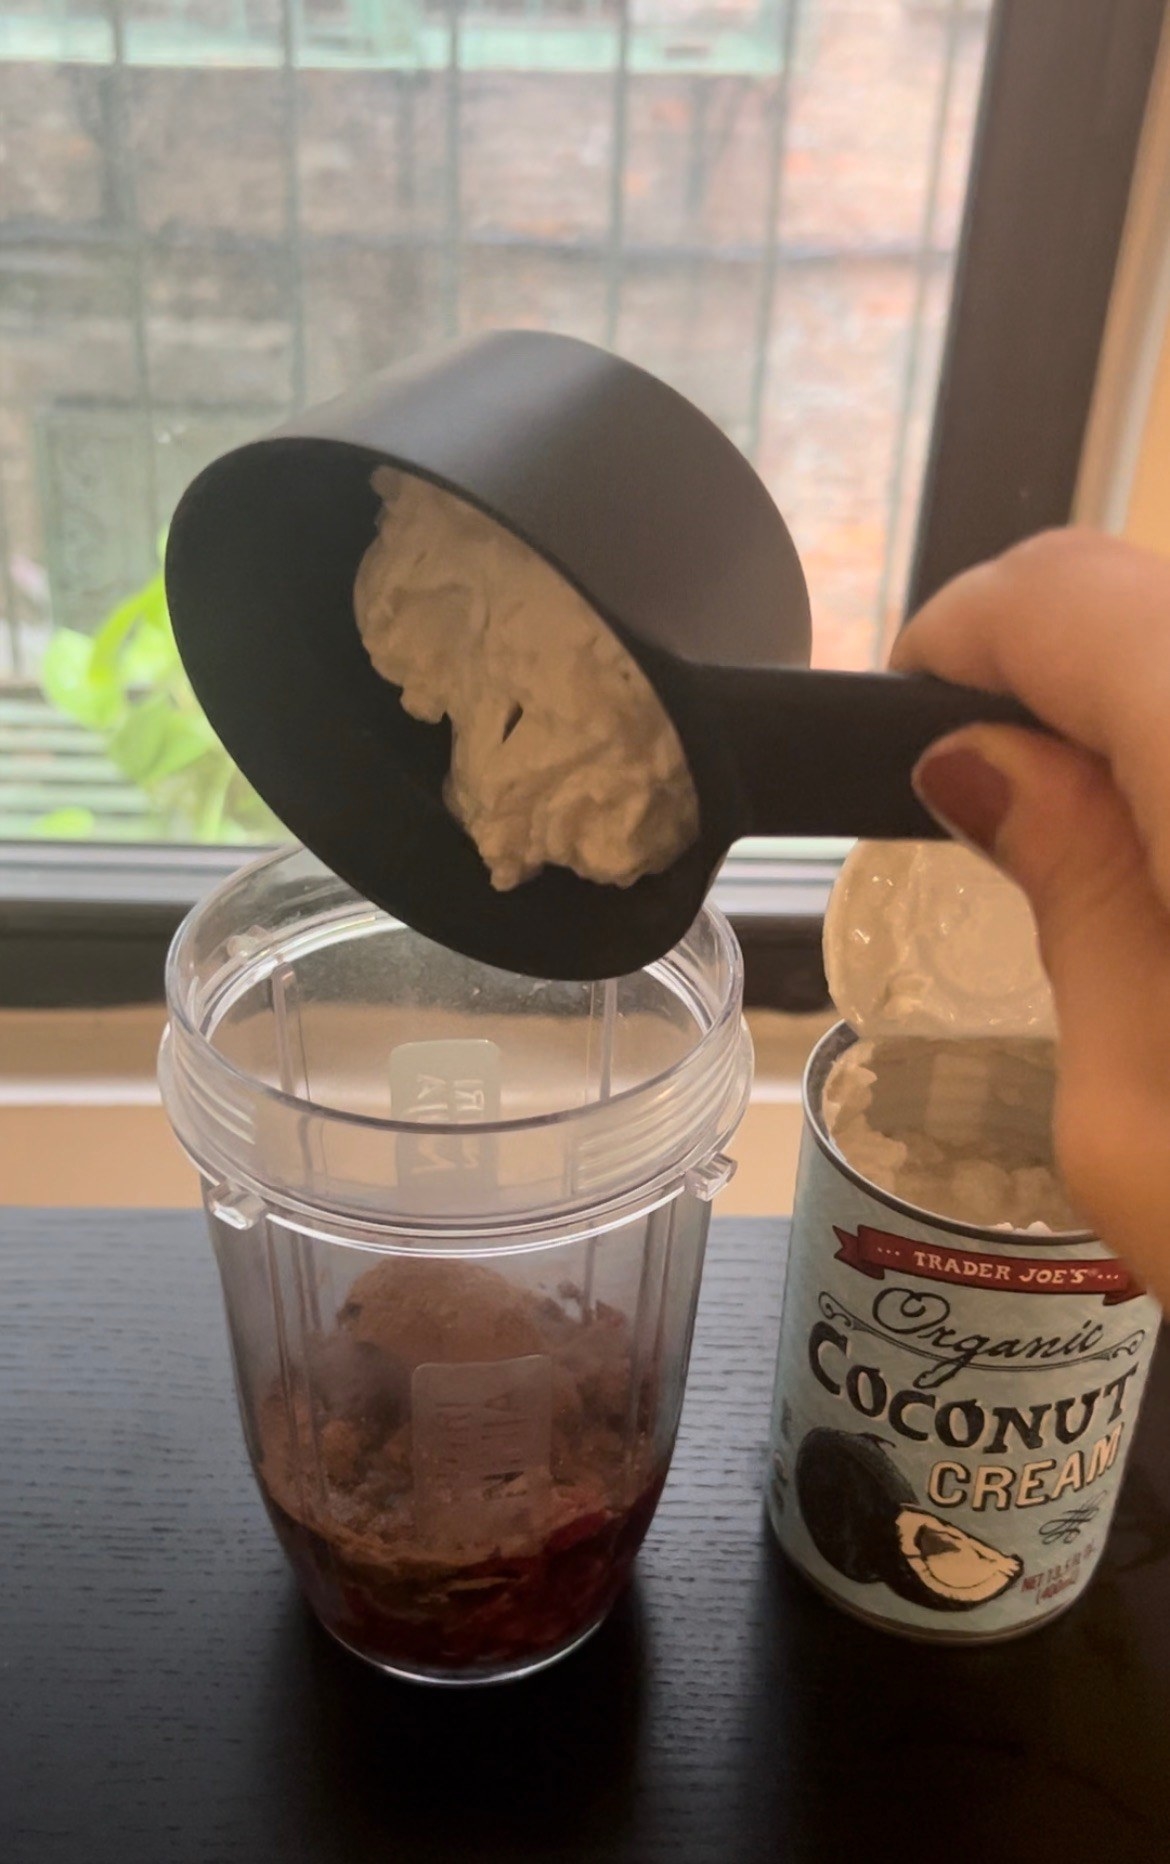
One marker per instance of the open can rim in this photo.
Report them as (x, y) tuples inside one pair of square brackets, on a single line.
[(831, 1046)]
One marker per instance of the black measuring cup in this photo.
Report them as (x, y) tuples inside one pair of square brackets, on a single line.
[(647, 508)]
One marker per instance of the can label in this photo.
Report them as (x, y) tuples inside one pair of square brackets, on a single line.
[(953, 1410)]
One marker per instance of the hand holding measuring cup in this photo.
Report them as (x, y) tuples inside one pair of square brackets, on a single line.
[(1077, 627)]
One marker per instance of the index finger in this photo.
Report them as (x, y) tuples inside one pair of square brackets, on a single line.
[(1077, 626)]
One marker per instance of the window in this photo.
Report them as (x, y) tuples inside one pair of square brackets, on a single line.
[(212, 211)]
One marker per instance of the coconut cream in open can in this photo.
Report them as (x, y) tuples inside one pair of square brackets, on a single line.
[(954, 1403)]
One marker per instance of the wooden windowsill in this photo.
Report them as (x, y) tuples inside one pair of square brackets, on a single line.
[(81, 1123)]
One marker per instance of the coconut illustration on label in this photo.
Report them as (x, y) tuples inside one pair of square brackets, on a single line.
[(864, 1520)]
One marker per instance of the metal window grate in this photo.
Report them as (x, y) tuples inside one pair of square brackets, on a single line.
[(215, 209)]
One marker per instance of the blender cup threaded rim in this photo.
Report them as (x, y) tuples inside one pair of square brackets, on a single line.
[(230, 1122)]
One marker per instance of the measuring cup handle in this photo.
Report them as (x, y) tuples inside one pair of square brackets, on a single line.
[(829, 753)]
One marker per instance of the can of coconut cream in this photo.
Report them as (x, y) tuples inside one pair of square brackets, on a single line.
[(954, 1403)]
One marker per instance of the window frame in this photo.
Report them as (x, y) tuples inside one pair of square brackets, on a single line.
[(88, 924)]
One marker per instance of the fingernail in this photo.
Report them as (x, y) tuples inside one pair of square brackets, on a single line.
[(969, 796)]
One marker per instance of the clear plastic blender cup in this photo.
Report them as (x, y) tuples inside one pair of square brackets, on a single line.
[(459, 1217)]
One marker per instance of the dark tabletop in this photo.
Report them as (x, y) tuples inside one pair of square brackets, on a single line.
[(164, 1699)]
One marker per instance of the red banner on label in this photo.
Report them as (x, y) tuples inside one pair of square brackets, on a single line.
[(872, 1252)]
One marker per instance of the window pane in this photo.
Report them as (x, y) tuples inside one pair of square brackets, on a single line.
[(213, 210)]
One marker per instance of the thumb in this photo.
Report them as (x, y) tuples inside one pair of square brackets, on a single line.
[(1050, 816)]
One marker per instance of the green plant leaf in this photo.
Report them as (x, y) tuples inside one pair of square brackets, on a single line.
[(107, 642), (234, 835), (149, 655), (128, 683), (72, 684), (139, 742), (73, 823), (187, 739), (209, 823)]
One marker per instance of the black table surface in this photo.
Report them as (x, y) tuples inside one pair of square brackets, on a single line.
[(165, 1699)]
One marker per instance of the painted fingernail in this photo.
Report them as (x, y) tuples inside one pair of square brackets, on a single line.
[(964, 792)]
